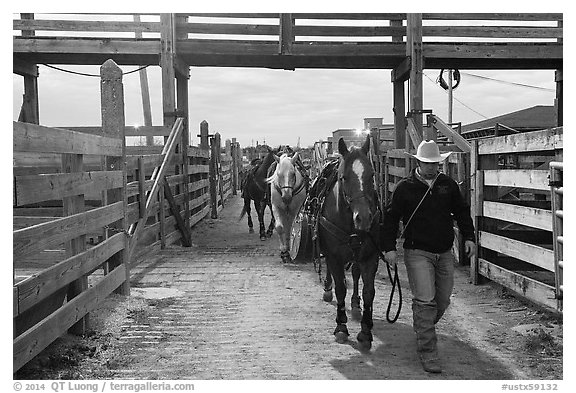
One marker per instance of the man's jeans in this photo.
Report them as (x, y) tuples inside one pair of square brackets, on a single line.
[(431, 278)]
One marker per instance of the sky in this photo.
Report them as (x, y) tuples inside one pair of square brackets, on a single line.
[(257, 105), (280, 107)]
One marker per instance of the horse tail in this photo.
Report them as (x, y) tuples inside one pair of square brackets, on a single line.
[(242, 213)]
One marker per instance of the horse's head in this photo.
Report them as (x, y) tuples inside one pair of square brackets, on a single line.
[(285, 177), (356, 183)]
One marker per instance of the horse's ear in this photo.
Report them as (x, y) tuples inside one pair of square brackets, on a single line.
[(276, 158), (366, 145), (295, 158), (342, 148)]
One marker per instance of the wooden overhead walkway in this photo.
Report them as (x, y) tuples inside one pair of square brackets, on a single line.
[(289, 41)]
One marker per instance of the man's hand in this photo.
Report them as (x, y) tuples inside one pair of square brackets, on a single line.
[(391, 258), (469, 248)]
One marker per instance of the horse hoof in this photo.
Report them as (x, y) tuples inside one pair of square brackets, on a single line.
[(263, 237), (356, 313), (341, 337), (269, 233), (365, 346), (365, 340), (327, 296), (251, 230)]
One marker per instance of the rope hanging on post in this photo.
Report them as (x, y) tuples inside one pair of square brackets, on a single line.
[(455, 78)]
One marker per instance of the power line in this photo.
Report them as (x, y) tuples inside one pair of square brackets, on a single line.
[(93, 75), (507, 82), (456, 99)]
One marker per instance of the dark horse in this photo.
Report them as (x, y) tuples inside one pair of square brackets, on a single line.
[(348, 227), (255, 188)]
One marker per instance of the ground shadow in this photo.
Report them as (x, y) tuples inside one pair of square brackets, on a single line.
[(395, 358)]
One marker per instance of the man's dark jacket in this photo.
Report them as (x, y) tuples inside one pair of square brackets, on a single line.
[(431, 228)]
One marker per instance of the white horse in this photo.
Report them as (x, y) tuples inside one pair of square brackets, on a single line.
[(288, 192)]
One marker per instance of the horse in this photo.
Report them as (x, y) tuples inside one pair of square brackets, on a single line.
[(348, 225), (288, 192), (255, 188)]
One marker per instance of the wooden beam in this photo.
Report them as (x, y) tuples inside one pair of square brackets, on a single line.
[(40, 237), (113, 124), (286, 34), (529, 253), (402, 72), (529, 216), (24, 68), (524, 178), (531, 289), (446, 130), (414, 51), (186, 235), (415, 136), (167, 56), (34, 138)]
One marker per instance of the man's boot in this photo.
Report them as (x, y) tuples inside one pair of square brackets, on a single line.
[(424, 319)]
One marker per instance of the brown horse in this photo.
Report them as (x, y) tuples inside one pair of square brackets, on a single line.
[(255, 188), (348, 223)]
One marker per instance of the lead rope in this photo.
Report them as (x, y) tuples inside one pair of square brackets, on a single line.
[(396, 280)]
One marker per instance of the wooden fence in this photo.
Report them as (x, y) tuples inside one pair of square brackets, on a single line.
[(86, 208), (514, 218)]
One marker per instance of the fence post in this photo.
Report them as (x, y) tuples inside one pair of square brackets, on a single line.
[(113, 123), (212, 176), (204, 144), (476, 187), (72, 205), (234, 165)]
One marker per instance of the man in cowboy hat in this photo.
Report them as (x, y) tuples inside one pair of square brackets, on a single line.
[(428, 202)]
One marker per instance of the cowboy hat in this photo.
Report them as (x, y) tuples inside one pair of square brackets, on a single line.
[(428, 151)]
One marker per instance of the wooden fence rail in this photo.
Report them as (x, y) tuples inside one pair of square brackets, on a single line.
[(87, 208), (513, 213)]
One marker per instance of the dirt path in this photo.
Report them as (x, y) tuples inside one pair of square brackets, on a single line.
[(227, 308)]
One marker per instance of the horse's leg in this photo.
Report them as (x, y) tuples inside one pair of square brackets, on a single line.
[(355, 300), (327, 286), (272, 221), (247, 203), (281, 230), (337, 270), (368, 269), (260, 210)]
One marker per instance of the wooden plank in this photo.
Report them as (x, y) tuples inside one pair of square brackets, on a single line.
[(535, 255), (529, 288), (34, 138), (494, 16), (198, 168), (545, 140), (194, 151), (40, 261), (34, 340), (38, 188), (176, 213), (524, 178), (128, 130), (41, 285), (516, 32), (40, 237), (533, 217), (19, 222), (397, 171), (349, 31), (85, 26), (446, 130), (415, 136)]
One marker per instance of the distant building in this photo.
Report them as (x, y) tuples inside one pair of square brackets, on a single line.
[(538, 117)]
